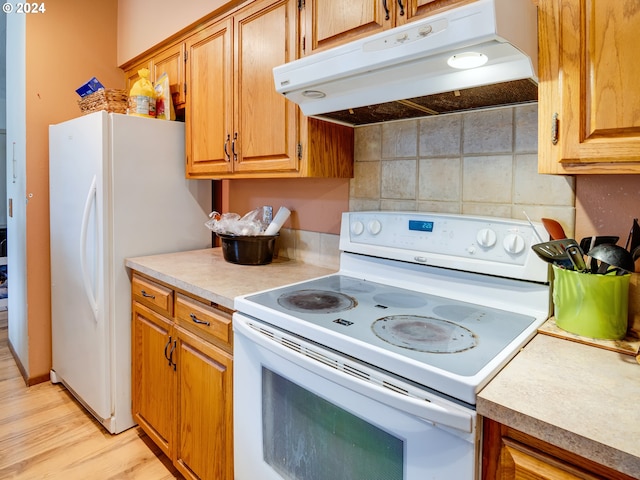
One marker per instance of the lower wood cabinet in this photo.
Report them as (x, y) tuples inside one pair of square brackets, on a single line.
[(182, 378), (509, 454)]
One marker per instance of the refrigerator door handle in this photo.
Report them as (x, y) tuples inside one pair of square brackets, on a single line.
[(91, 198)]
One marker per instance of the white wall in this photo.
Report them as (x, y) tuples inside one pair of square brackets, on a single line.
[(16, 187), (3, 72)]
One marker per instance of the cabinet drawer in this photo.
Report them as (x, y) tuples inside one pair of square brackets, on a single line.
[(156, 296), (201, 317)]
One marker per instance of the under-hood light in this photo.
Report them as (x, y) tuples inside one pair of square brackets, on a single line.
[(314, 94), (467, 60)]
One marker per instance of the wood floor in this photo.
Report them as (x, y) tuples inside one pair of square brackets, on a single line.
[(46, 434)]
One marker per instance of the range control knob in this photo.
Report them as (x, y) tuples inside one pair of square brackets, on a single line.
[(357, 227), (513, 243), (374, 227), (486, 238)]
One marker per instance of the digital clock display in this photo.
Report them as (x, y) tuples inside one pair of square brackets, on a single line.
[(420, 226)]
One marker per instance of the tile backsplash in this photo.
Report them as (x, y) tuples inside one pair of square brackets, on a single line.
[(482, 162)]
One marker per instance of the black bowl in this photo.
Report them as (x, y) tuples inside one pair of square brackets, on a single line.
[(248, 249)]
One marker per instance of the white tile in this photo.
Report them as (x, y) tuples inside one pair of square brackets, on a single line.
[(368, 143), (400, 139), (440, 136), (439, 179), (530, 187), (526, 118), (487, 179), (399, 179), (488, 131)]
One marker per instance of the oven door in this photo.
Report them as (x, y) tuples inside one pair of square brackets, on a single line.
[(299, 416)]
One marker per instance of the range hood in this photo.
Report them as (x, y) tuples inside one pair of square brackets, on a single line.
[(408, 67)]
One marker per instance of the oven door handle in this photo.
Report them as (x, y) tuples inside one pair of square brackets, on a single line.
[(428, 410)]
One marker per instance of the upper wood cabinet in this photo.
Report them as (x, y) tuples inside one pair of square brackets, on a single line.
[(209, 76), (131, 73), (171, 62), (236, 122), (589, 94), (237, 125), (328, 23)]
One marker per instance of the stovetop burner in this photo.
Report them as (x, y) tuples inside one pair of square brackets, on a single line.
[(464, 337), (316, 301), (424, 334)]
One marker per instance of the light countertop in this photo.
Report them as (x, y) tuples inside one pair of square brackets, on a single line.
[(578, 397), (206, 274)]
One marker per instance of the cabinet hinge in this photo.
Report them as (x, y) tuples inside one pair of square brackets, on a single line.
[(300, 4), (304, 44), (185, 88), (299, 151), (186, 56)]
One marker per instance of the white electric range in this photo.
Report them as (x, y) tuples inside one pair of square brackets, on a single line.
[(425, 309)]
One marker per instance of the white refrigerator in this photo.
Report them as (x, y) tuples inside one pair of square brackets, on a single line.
[(117, 190)]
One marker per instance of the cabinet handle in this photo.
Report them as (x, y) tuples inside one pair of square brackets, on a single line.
[(386, 9), (401, 7), (226, 142), (233, 147), (147, 295), (165, 350), (554, 128), (171, 362), (197, 320)]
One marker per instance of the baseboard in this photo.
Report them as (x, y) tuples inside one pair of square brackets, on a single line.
[(28, 381)]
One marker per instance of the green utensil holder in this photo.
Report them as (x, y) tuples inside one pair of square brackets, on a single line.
[(591, 305)]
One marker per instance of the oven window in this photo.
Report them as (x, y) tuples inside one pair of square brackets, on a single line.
[(305, 437)]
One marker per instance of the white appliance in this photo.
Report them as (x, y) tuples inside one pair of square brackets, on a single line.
[(117, 190), (411, 60), (373, 372)]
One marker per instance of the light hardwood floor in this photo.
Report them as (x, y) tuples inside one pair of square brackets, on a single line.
[(46, 434)]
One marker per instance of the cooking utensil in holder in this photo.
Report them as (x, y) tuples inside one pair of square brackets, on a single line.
[(594, 306)]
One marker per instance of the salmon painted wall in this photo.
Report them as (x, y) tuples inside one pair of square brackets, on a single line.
[(316, 204), (142, 24), (607, 205), (66, 46)]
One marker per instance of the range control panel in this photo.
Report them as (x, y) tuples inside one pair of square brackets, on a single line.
[(441, 239)]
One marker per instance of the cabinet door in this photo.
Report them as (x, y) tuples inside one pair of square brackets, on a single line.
[(589, 116), (204, 445), (265, 121), (329, 23), (209, 105), (131, 75), (171, 62), (417, 9), (153, 376)]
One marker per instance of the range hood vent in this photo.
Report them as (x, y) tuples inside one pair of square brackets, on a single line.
[(404, 72)]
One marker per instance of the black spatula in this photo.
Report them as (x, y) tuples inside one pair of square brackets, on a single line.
[(555, 251)]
